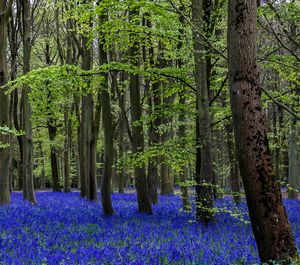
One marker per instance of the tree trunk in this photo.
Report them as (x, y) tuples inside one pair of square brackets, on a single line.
[(268, 217), (87, 145), (184, 169), (293, 147), (205, 204), (52, 129), (67, 150), (293, 162), (144, 203), (234, 168), (152, 90), (4, 106), (121, 173), (166, 175), (107, 120), (182, 120), (152, 178), (26, 123)]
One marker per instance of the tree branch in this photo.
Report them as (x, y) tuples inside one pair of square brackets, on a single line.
[(8, 9), (289, 110)]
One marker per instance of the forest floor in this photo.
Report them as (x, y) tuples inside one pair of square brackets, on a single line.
[(64, 229)]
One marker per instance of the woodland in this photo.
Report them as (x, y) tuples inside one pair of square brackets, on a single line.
[(149, 132)]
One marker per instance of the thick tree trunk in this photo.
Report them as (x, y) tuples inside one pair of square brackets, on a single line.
[(144, 202), (268, 217), (205, 189), (4, 107), (26, 124)]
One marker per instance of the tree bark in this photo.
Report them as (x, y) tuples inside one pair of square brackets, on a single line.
[(293, 162), (121, 128), (4, 107), (182, 120), (26, 123), (52, 129), (234, 167), (87, 144), (144, 203), (67, 149), (204, 208), (107, 120), (268, 217), (154, 105)]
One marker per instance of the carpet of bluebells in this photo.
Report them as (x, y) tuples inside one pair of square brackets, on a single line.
[(64, 229)]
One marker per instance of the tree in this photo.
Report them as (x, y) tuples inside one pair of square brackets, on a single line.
[(204, 180), (268, 217), (26, 123), (144, 203), (108, 129), (5, 10), (88, 141)]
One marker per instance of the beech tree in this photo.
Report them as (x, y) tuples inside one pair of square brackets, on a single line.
[(144, 203), (5, 11), (26, 123), (204, 177), (268, 217)]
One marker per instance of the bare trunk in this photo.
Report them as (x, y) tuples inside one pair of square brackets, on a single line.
[(26, 124), (182, 120), (205, 189), (144, 203), (293, 162), (4, 108), (67, 150), (108, 134), (268, 217), (53, 157)]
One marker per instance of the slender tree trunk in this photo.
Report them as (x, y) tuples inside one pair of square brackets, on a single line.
[(276, 142), (167, 178), (52, 129), (184, 169), (182, 120), (293, 162), (4, 106), (144, 202), (67, 150), (152, 178), (87, 139), (268, 217), (108, 133), (26, 124), (121, 174), (205, 204), (234, 168), (293, 147), (153, 93)]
